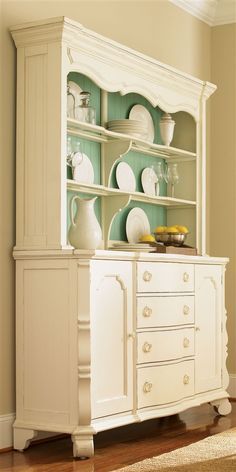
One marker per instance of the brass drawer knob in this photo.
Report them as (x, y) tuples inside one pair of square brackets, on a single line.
[(186, 342), (186, 379), (147, 347), (147, 311), (147, 387), (186, 310), (185, 277), (147, 276)]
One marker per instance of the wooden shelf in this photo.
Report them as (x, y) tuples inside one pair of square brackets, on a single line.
[(102, 135), (135, 196)]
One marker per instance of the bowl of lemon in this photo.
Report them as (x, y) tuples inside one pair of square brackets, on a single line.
[(171, 235)]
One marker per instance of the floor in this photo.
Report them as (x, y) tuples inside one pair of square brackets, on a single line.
[(123, 446)]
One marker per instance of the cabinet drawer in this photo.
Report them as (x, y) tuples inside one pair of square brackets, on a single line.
[(165, 311), (165, 384), (165, 277), (165, 345)]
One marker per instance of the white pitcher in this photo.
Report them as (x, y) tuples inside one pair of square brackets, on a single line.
[(85, 231)]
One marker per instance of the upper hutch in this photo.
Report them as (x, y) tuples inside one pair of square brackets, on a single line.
[(57, 50), (107, 337)]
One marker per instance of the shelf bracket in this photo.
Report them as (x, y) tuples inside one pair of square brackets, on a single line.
[(110, 207), (112, 151)]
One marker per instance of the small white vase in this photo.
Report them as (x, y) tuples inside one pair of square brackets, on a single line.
[(85, 231), (167, 128)]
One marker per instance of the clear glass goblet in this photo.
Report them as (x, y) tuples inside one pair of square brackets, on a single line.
[(172, 176)]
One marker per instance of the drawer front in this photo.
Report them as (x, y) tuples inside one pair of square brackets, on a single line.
[(165, 311), (165, 384), (165, 277), (165, 345)]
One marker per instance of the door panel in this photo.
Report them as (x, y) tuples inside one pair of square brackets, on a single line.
[(208, 311), (112, 347)]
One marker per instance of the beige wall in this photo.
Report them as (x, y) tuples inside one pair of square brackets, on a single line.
[(156, 28), (223, 167)]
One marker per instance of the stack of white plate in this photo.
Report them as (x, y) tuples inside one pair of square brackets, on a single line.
[(135, 128), (140, 247)]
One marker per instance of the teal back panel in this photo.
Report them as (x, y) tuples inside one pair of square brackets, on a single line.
[(138, 162), (156, 216), (120, 106)]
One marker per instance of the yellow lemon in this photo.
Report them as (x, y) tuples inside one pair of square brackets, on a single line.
[(160, 229), (182, 229), (147, 238), (172, 229)]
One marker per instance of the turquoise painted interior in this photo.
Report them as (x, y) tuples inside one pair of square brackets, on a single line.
[(156, 216), (118, 108)]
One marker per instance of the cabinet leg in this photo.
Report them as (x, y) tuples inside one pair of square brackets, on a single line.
[(83, 445), (222, 407), (23, 437)]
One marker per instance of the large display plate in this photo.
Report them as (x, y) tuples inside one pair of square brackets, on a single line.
[(137, 225)]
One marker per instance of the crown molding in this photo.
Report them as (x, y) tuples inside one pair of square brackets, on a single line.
[(212, 12)]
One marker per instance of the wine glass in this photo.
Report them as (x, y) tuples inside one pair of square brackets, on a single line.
[(160, 176), (172, 176), (74, 155)]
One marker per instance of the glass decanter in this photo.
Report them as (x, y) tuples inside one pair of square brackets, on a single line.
[(84, 112)]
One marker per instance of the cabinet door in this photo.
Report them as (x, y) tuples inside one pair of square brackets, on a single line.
[(112, 342), (208, 311)]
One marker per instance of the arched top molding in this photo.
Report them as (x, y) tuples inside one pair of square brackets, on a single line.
[(115, 67)]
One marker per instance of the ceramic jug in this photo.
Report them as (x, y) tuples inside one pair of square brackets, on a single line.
[(85, 231)]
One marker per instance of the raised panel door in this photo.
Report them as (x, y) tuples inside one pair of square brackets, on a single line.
[(112, 340), (208, 309)]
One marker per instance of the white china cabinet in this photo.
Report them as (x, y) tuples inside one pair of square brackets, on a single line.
[(109, 337)]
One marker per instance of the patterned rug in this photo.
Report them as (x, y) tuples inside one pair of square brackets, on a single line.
[(214, 454)]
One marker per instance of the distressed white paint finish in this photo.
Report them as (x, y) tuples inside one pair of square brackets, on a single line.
[(77, 342), (77, 310), (165, 383), (165, 345), (208, 313), (47, 51), (112, 338), (165, 310), (165, 277)]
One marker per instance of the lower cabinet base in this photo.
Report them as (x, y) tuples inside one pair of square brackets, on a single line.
[(82, 437)]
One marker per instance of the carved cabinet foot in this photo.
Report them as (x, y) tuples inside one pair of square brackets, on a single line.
[(83, 445), (23, 438), (222, 407)]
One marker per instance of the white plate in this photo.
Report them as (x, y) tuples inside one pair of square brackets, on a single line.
[(132, 246), (84, 172), (125, 177), (137, 225), (149, 180), (139, 112)]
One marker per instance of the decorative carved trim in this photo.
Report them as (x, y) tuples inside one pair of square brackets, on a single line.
[(100, 57)]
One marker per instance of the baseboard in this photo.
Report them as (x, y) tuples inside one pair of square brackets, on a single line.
[(232, 386), (6, 430)]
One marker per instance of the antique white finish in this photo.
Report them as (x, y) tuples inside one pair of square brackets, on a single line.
[(107, 338)]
